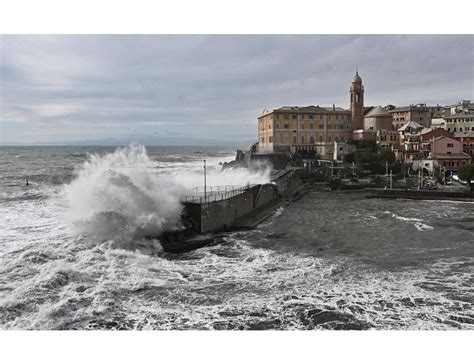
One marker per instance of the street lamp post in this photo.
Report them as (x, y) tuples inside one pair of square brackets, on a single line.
[(205, 187)]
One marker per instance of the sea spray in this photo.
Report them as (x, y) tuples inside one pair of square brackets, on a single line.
[(216, 176), (123, 198), (116, 197)]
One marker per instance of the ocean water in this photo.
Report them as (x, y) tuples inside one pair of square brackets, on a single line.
[(73, 256)]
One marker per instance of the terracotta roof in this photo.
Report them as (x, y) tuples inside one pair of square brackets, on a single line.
[(443, 137)]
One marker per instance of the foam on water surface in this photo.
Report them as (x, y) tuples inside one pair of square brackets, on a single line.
[(329, 261)]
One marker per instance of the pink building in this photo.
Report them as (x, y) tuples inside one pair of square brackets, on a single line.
[(448, 153)]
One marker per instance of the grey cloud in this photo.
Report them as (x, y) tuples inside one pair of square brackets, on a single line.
[(195, 83)]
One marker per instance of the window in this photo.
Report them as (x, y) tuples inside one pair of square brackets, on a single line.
[(287, 116), (278, 126), (293, 116), (320, 138), (286, 126), (302, 139), (263, 140), (311, 139), (311, 116), (302, 125), (294, 139), (311, 126), (321, 126), (329, 138), (270, 139), (450, 145)]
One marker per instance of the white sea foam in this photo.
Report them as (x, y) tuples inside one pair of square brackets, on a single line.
[(215, 176), (119, 196), (418, 223), (116, 196)]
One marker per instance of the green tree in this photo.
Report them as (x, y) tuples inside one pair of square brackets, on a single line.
[(438, 175), (409, 183), (466, 173), (349, 158)]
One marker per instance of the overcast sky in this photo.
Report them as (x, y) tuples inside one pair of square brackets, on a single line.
[(209, 89)]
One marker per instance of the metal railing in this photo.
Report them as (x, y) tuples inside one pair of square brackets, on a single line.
[(214, 193)]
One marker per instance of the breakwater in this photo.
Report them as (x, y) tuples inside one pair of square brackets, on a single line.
[(222, 208)]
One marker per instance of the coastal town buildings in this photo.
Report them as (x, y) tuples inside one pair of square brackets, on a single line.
[(438, 111), (438, 123), (364, 134), (461, 122), (387, 138), (419, 113), (431, 134), (448, 153), (436, 135), (292, 128), (378, 119), (467, 141), (462, 107), (341, 149), (408, 146)]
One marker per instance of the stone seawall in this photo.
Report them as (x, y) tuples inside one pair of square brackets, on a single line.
[(223, 214)]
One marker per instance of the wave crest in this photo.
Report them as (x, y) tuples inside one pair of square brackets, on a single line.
[(116, 197)]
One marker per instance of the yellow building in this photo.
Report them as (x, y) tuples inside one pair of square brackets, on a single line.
[(293, 128)]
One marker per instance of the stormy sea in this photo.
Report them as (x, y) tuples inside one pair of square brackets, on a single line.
[(73, 253)]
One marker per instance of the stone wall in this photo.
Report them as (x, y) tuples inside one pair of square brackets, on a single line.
[(222, 214)]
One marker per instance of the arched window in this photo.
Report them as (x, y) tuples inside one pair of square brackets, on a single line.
[(311, 139), (357, 97)]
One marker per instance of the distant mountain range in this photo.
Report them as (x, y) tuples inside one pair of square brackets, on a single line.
[(243, 144)]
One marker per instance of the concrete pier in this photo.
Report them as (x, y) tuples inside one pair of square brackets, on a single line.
[(223, 207)]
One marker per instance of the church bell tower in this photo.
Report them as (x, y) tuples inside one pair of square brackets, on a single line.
[(357, 102)]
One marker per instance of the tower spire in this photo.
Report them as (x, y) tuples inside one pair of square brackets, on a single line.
[(357, 70)]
